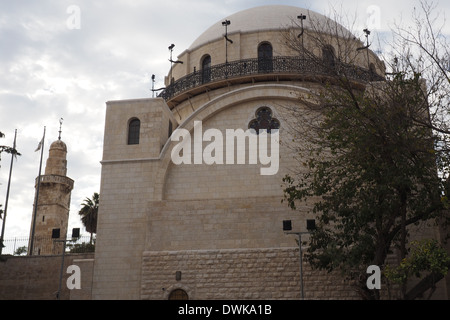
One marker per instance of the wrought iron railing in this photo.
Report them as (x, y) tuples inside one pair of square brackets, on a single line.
[(19, 246), (277, 65)]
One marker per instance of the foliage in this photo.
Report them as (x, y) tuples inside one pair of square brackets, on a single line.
[(426, 256), (7, 149), (372, 173), (373, 158), (89, 214), (82, 247), (21, 250)]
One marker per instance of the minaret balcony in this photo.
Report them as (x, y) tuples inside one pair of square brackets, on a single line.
[(55, 179)]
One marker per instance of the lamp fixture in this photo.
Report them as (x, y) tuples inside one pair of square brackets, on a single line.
[(301, 17)]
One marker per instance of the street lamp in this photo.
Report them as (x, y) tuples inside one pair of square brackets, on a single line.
[(310, 226), (302, 17), (172, 61), (226, 23)]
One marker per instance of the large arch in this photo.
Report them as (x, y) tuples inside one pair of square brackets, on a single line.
[(280, 92)]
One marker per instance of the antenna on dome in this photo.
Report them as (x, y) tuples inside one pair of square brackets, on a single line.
[(60, 125), (226, 23)]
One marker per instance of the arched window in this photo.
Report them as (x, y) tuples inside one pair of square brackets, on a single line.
[(178, 294), (134, 128), (372, 71), (206, 69), (328, 57), (264, 121), (265, 56)]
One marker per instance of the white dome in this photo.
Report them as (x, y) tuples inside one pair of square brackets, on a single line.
[(271, 17)]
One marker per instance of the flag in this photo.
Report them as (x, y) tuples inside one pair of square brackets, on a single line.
[(39, 145)]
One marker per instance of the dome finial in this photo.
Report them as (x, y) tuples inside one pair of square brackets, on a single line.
[(60, 125)]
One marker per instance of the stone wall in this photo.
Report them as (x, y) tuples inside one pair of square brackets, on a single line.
[(37, 277), (236, 274)]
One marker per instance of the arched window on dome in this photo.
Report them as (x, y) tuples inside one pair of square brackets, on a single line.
[(265, 56), (206, 69), (372, 71), (328, 57), (134, 128)]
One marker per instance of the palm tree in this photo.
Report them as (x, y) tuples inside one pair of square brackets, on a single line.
[(89, 213)]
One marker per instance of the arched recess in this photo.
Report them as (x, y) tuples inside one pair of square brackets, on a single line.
[(134, 128), (206, 68), (178, 294), (179, 290), (265, 56), (329, 56), (219, 104)]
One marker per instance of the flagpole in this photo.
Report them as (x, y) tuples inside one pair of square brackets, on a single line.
[(30, 251), (7, 192)]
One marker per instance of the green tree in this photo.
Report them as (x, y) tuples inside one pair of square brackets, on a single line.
[(369, 159), (374, 171), (426, 256), (82, 248), (89, 214)]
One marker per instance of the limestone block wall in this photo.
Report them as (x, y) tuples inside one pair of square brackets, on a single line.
[(154, 116), (233, 180), (87, 271), (251, 222), (37, 277), (235, 274), (121, 230)]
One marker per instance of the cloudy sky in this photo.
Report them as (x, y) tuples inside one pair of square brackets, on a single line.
[(65, 59)]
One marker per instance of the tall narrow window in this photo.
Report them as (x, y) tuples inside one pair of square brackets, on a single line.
[(134, 129), (265, 56), (328, 57), (206, 69)]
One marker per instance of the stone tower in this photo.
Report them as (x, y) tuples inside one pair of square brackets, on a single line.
[(53, 202)]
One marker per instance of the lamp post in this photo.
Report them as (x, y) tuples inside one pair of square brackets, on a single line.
[(172, 62), (75, 236), (302, 17), (310, 226), (226, 23)]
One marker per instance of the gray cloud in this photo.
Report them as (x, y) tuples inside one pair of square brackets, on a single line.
[(49, 70)]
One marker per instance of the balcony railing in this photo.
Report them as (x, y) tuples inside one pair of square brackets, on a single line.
[(283, 65)]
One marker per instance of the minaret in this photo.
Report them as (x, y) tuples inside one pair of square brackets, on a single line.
[(53, 202)]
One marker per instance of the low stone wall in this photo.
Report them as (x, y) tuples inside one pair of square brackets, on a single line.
[(237, 274), (37, 277)]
